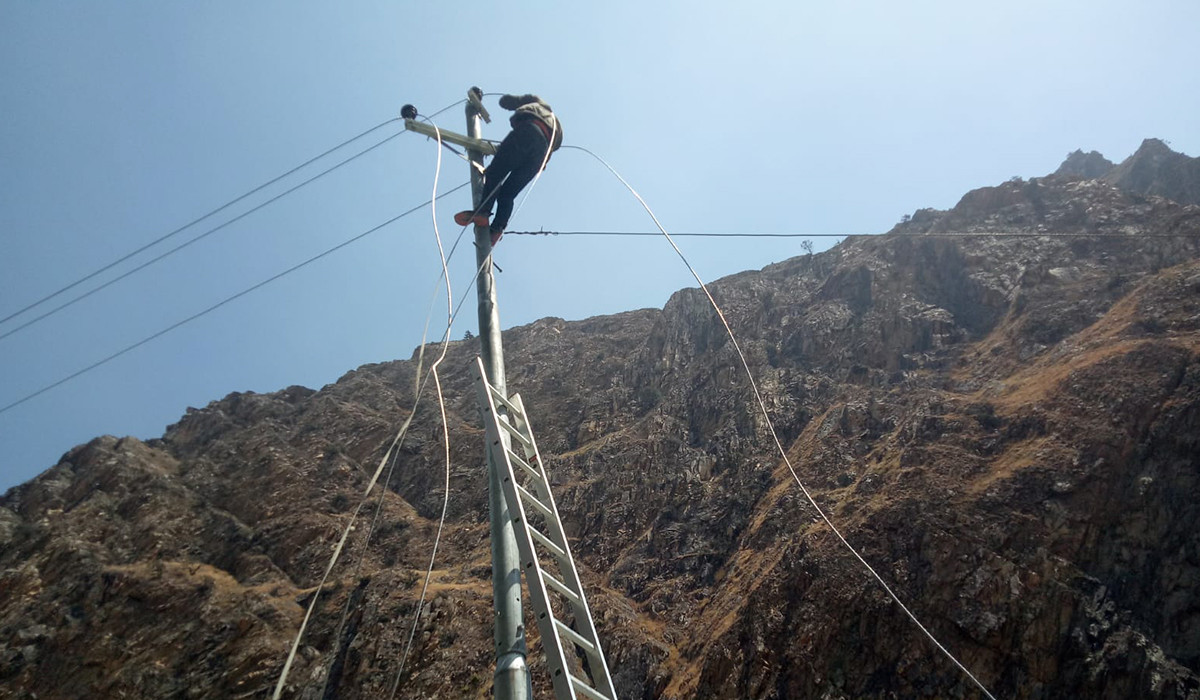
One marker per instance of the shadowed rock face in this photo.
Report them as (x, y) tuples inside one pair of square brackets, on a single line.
[(1005, 427)]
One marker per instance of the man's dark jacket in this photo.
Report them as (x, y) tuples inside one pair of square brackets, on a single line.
[(527, 107)]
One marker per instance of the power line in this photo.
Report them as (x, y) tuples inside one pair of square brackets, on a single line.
[(188, 225), (190, 241), (219, 304), (778, 444), (936, 234), (659, 235)]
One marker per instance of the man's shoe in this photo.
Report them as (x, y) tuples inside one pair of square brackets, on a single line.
[(463, 218), (496, 236)]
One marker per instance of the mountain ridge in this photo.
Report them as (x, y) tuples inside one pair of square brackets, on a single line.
[(1002, 425)]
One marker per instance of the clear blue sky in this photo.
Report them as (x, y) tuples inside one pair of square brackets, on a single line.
[(122, 121)]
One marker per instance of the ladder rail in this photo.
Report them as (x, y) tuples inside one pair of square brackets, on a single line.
[(579, 608), (567, 685), (552, 645)]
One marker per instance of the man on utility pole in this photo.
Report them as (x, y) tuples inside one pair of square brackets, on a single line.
[(536, 548), (536, 133)]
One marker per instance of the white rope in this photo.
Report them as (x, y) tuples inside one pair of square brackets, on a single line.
[(766, 416), (452, 313), (445, 424), (392, 449), (433, 556), (445, 427), (337, 550)]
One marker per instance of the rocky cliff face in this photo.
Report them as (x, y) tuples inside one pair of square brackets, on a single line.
[(1005, 426)]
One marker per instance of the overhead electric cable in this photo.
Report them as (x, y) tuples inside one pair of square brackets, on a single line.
[(778, 444), (195, 239), (937, 234), (219, 304), (188, 225), (706, 235), (443, 109)]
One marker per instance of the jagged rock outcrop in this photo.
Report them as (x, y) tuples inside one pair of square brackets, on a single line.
[(1004, 426), (1090, 165), (1156, 169)]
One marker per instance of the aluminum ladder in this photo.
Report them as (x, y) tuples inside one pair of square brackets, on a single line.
[(545, 555)]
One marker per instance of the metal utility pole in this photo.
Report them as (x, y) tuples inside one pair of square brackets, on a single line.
[(572, 647), (512, 674)]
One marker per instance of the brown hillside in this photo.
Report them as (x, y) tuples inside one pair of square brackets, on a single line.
[(1005, 427)]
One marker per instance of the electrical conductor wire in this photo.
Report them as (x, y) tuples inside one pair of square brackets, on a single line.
[(188, 225), (195, 239), (930, 234), (219, 304), (778, 444)]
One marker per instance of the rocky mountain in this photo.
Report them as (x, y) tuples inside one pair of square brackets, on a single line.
[(1088, 165), (1154, 169), (998, 405)]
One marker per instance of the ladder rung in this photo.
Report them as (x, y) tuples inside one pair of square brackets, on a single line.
[(575, 637), (582, 686), (561, 588), (520, 462), (502, 400), (548, 544), (533, 501), (515, 432)]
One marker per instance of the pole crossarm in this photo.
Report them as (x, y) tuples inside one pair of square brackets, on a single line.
[(457, 139)]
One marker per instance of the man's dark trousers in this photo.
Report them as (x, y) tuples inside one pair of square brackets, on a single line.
[(519, 157)]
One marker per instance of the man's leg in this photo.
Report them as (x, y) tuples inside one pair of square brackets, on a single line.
[(527, 150), (508, 156)]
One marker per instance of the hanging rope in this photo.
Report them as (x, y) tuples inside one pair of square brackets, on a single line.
[(393, 447), (390, 456), (445, 429), (445, 425)]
